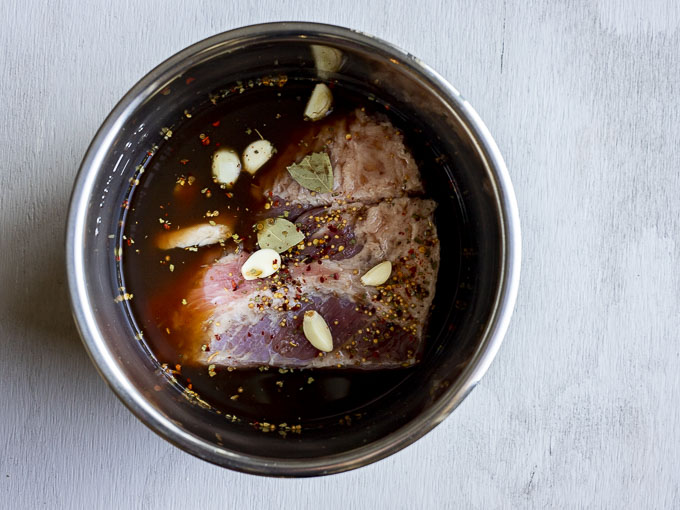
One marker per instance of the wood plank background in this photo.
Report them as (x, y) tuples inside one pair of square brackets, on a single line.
[(582, 406)]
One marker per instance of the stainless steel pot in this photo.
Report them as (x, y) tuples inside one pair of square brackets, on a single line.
[(476, 292)]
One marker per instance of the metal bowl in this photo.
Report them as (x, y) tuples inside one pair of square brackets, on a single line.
[(477, 286)]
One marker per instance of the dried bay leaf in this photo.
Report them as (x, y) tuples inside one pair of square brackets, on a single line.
[(278, 234), (314, 172)]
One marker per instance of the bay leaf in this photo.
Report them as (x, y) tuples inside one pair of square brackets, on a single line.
[(314, 172), (278, 234)]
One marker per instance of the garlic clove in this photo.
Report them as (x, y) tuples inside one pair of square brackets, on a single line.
[(327, 60), (378, 274), (316, 331), (226, 167), (196, 235), (319, 103), (261, 264), (256, 155)]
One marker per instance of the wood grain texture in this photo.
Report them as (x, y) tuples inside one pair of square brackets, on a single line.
[(582, 406)]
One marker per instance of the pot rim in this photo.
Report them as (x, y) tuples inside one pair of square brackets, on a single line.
[(94, 339)]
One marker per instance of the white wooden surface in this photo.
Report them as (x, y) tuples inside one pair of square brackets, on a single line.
[(581, 407)]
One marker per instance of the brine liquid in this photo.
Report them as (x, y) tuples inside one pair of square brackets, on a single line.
[(177, 186)]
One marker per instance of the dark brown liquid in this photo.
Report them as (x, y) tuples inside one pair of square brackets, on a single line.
[(307, 396)]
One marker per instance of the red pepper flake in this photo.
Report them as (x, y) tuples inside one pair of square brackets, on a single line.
[(190, 79), (335, 276), (206, 140), (322, 279), (233, 285), (183, 161), (166, 226), (216, 123), (309, 268)]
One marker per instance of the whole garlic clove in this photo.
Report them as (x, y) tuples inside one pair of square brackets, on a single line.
[(256, 155), (327, 60), (319, 103), (316, 331), (378, 274), (226, 167), (261, 264)]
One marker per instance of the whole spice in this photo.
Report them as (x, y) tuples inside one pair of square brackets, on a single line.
[(316, 331), (278, 234), (261, 264), (314, 172)]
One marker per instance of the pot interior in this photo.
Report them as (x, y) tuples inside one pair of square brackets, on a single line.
[(467, 218)]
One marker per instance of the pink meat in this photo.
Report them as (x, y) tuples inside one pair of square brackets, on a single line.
[(240, 323), (370, 163)]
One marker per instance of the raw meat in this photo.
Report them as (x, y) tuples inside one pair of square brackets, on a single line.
[(370, 165), (242, 323)]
